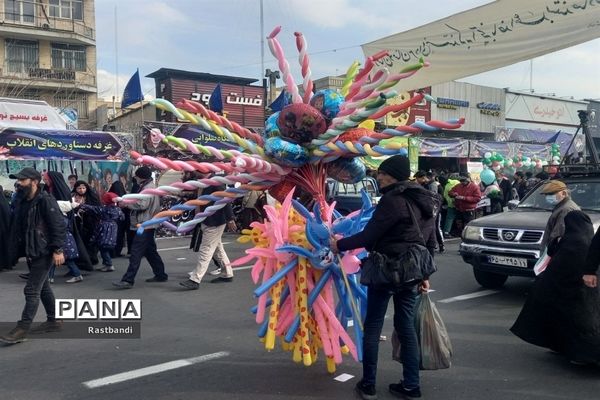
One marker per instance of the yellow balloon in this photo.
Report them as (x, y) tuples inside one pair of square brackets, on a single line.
[(368, 124)]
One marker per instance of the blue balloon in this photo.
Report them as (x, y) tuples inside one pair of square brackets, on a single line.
[(328, 101), (286, 153), (271, 126), (487, 176), (347, 170)]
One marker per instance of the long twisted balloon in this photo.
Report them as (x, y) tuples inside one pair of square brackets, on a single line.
[(198, 108), (284, 66), (307, 83), (220, 131), (382, 89), (364, 147)]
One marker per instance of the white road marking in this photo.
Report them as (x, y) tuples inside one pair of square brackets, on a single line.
[(182, 247), (473, 295), (154, 369), (343, 377), (243, 268)]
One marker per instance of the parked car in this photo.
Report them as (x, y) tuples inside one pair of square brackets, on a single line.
[(509, 243), (347, 196)]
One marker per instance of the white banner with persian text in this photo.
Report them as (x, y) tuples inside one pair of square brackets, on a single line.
[(15, 113), (495, 35)]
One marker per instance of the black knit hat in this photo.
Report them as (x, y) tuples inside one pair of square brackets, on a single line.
[(143, 172), (396, 166)]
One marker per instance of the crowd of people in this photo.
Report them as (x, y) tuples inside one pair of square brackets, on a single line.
[(462, 198), (51, 223)]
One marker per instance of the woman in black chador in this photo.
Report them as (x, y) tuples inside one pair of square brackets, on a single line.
[(562, 312), (60, 191)]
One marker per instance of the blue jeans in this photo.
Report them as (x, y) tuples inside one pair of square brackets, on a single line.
[(73, 267), (144, 245), (105, 254), (404, 323)]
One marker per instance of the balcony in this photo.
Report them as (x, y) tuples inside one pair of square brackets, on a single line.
[(34, 77), (41, 27)]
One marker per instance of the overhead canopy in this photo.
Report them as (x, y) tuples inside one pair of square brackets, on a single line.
[(501, 33)]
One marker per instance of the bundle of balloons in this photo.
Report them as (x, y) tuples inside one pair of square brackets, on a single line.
[(315, 137), (496, 161)]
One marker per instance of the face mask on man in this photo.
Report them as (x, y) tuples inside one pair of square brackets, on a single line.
[(552, 199)]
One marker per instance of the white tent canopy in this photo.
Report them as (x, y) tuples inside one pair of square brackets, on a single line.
[(17, 113), (495, 35)]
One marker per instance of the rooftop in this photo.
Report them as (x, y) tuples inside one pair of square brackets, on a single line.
[(176, 73)]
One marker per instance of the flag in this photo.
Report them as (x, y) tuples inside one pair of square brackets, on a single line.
[(281, 101), (216, 100), (133, 91), (553, 138)]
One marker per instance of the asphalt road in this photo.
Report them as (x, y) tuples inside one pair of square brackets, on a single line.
[(203, 345)]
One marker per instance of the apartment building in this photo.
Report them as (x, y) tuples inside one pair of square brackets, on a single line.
[(48, 52)]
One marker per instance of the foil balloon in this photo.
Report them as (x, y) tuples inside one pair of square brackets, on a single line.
[(354, 135), (271, 127), (328, 102), (347, 170), (300, 123), (286, 153)]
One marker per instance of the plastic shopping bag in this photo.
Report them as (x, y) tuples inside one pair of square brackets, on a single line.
[(434, 342)]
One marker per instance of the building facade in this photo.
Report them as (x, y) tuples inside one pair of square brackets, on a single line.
[(48, 52), (243, 102)]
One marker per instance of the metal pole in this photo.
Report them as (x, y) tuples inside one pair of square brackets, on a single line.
[(262, 40), (116, 52)]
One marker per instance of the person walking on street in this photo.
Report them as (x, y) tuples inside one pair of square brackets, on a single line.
[(558, 197), (40, 236), (391, 231), (562, 310), (211, 245), (505, 187), (519, 185), (449, 184), (427, 180), (143, 245), (466, 196)]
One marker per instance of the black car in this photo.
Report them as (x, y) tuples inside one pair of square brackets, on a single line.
[(509, 243)]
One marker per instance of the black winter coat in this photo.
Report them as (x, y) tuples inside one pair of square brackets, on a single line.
[(45, 231), (390, 228), (561, 313)]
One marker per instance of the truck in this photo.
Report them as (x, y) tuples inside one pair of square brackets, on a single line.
[(510, 243), (347, 195)]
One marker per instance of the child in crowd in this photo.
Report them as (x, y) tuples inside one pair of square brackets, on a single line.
[(106, 234), (71, 252)]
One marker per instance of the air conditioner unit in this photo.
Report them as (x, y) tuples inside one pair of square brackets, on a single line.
[(45, 26)]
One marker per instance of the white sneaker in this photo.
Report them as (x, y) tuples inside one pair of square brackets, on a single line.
[(107, 268), (215, 272), (75, 279)]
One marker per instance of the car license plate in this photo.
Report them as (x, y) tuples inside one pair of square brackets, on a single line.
[(512, 261)]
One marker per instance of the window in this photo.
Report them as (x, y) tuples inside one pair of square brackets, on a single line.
[(19, 11), (21, 55), (68, 56), (77, 101), (69, 9)]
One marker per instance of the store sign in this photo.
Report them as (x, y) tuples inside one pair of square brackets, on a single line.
[(451, 104), (232, 98), (492, 109)]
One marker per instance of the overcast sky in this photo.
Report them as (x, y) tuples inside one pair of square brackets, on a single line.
[(224, 37)]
